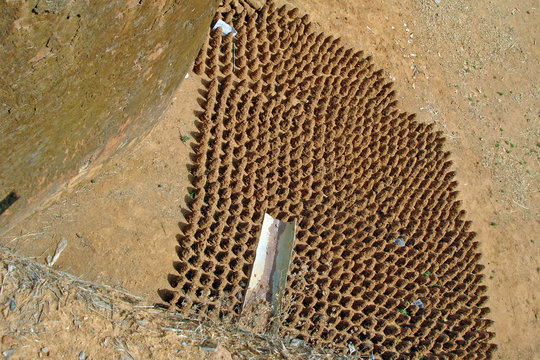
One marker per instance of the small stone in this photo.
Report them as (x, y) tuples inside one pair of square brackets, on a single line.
[(11, 304), (296, 342), (6, 340)]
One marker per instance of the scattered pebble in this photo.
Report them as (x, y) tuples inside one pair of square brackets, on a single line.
[(11, 304), (296, 342)]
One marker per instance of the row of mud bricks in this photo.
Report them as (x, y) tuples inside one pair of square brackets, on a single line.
[(296, 124)]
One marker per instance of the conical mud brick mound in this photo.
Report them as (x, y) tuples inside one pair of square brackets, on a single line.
[(297, 124)]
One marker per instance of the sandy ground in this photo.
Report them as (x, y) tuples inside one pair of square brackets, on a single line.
[(472, 69)]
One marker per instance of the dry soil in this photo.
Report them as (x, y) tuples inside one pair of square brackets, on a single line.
[(469, 69)]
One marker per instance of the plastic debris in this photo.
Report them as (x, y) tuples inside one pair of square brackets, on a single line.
[(437, 2), (82, 355), (400, 242), (418, 303), (7, 354), (352, 350), (268, 278), (233, 57), (187, 76), (225, 28), (11, 304), (61, 246)]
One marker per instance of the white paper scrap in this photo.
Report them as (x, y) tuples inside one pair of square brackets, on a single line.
[(225, 28), (400, 242)]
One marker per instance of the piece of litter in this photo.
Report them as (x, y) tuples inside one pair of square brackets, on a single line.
[(7, 354), (437, 2), (268, 278), (352, 350), (209, 345), (11, 304), (82, 355), (225, 28), (418, 303), (400, 242), (187, 76), (61, 246)]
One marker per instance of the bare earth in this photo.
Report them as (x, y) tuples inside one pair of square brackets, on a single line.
[(471, 69)]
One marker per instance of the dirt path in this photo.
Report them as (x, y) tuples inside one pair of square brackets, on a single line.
[(472, 70)]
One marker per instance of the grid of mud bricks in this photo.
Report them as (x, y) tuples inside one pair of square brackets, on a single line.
[(309, 130)]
